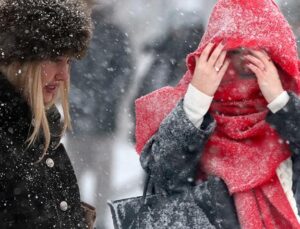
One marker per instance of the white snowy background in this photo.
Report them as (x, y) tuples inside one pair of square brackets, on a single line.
[(143, 21)]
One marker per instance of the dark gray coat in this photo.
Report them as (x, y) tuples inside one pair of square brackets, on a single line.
[(32, 194), (102, 78), (172, 157)]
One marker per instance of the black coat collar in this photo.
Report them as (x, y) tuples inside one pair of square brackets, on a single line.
[(16, 122)]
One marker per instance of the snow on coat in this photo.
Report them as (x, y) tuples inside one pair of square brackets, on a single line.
[(240, 24)]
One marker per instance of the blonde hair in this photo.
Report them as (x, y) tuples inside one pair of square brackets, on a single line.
[(27, 78)]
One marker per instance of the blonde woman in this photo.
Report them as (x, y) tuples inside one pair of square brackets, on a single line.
[(38, 38)]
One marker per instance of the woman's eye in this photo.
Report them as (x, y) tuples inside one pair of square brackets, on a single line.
[(234, 52), (56, 60)]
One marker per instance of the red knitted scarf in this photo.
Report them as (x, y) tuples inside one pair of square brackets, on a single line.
[(245, 152)]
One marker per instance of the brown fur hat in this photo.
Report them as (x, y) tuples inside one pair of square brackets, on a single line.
[(43, 29)]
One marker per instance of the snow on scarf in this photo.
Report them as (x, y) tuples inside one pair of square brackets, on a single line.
[(244, 150)]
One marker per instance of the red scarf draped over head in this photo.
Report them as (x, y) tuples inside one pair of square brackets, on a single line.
[(244, 149)]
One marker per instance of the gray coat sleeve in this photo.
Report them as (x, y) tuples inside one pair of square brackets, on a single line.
[(171, 156), (287, 122)]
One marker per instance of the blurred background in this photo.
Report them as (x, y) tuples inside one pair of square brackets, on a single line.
[(137, 47)]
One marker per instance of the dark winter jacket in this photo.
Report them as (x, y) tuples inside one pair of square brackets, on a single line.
[(172, 157), (34, 195), (101, 79), (169, 52)]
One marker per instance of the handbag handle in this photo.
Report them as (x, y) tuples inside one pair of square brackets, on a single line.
[(147, 182), (146, 187)]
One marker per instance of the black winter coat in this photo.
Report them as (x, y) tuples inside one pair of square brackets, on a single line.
[(34, 195), (172, 156)]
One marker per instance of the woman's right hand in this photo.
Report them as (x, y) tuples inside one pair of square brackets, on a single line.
[(210, 69)]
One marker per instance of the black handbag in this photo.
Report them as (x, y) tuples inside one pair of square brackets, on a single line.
[(184, 210)]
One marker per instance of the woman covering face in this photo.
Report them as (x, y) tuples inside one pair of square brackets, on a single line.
[(38, 38), (236, 118)]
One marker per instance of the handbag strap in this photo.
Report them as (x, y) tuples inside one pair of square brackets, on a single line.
[(147, 181), (146, 186)]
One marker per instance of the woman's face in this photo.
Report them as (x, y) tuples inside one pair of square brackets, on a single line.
[(239, 62), (54, 74)]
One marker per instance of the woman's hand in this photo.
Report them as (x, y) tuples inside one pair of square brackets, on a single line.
[(266, 73), (210, 69)]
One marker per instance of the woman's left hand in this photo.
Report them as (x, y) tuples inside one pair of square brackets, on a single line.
[(266, 72)]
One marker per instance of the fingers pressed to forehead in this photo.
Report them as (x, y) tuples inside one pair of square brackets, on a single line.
[(256, 61), (265, 52), (206, 51), (255, 70), (224, 67), (219, 63), (260, 55), (215, 54)]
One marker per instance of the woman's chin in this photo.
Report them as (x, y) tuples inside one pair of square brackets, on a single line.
[(48, 99)]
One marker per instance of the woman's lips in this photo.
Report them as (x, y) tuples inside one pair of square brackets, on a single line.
[(51, 88)]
